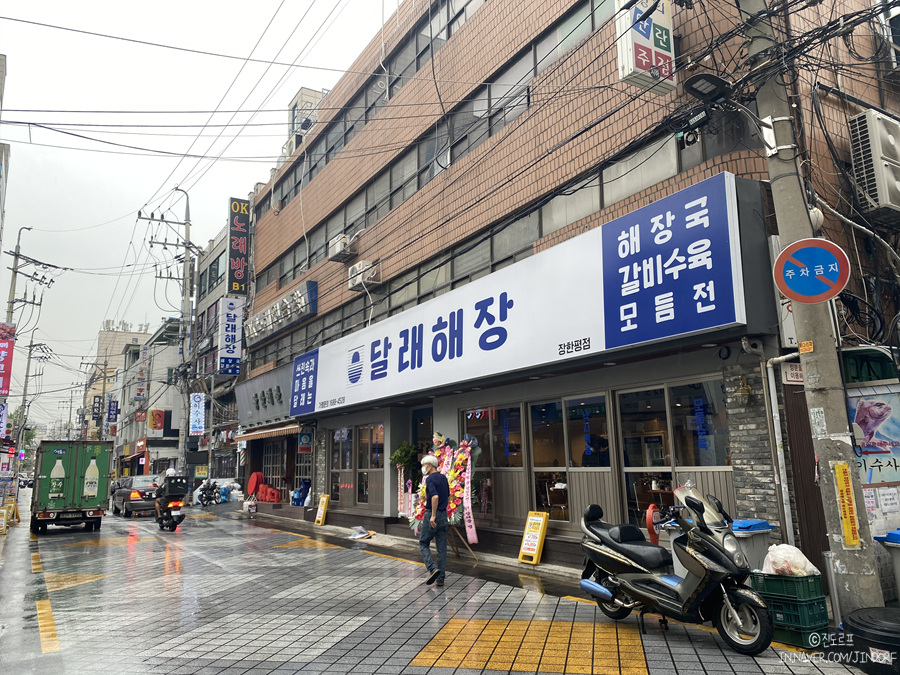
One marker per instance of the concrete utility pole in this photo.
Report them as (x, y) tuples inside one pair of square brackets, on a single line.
[(855, 565), (12, 282), (186, 317)]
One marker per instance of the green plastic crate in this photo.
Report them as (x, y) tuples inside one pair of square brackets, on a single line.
[(799, 588), (808, 638), (797, 613)]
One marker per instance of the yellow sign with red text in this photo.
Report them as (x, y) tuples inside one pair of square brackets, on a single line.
[(846, 504)]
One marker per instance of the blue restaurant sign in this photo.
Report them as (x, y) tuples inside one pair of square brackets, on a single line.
[(668, 270)]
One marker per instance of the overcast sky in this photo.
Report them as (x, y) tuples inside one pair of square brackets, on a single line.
[(81, 196)]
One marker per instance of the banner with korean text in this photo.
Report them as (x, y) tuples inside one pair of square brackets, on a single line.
[(231, 320), (238, 246), (198, 414), (668, 270)]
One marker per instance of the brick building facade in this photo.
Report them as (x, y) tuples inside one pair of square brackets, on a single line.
[(490, 136)]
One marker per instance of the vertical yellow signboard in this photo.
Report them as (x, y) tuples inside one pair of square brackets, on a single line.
[(323, 507), (846, 504), (533, 539)]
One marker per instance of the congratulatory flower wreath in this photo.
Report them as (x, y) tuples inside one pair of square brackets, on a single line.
[(455, 463)]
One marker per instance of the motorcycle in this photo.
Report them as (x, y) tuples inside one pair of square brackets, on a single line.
[(170, 508), (174, 490), (623, 571), (209, 493)]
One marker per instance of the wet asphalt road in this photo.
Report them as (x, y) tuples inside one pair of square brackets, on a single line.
[(224, 594)]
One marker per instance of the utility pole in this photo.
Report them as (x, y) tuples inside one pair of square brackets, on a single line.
[(855, 567), (186, 322), (12, 282)]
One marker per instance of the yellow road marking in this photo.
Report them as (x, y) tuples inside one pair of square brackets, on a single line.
[(47, 627), (382, 555), (305, 542), (36, 565), (708, 629), (286, 532), (57, 582), (548, 646), (32, 537), (202, 515)]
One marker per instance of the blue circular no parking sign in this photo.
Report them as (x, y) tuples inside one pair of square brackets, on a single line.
[(811, 271)]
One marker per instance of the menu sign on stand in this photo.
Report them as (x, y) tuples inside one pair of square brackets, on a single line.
[(533, 539)]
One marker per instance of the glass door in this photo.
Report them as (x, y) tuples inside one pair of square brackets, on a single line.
[(646, 451)]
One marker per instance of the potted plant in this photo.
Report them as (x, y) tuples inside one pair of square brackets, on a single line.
[(407, 456)]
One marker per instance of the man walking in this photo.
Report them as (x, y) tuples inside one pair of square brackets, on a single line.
[(434, 524)]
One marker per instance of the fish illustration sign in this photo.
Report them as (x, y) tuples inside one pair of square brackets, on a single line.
[(876, 425)]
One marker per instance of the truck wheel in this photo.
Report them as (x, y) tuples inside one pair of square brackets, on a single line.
[(42, 528), (88, 526), (97, 524), (34, 526)]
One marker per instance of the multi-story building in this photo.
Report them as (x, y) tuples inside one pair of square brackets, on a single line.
[(510, 221), (217, 443), (109, 358), (149, 403)]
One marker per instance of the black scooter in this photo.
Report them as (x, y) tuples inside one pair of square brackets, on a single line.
[(209, 493), (623, 571), (174, 489)]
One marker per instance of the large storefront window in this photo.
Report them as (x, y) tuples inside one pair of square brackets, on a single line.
[(506, 437), (588, 432), (666, 430), (699, 424)]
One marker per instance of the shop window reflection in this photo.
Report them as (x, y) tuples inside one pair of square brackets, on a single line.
[(552, 494), (362, 487), (547, 434), (335, 495), (506, 437), (646, 456), (588, 432), (699, 424)]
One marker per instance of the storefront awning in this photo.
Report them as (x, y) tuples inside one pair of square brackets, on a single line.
[(134, 456), (271, 432)]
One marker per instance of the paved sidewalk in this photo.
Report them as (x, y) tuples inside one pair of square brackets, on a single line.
[(229, 595)]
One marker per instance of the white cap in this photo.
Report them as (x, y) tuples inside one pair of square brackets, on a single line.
[(170, 471)]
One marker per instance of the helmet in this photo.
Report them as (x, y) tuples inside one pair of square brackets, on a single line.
[(170, 472)]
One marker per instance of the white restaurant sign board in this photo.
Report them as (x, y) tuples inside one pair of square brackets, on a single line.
[(646, 48), (669, 269)]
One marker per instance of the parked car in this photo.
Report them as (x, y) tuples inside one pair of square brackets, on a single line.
[(135, 494)]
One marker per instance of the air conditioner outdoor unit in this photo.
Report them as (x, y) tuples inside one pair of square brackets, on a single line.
[(362, 275), (875, 145), (340, 248)]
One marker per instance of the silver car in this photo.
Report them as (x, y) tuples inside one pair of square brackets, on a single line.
[(135, 494)]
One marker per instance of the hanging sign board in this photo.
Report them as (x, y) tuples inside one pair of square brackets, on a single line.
[(533, 539), (323, 507), (646, 51), (846, 504)]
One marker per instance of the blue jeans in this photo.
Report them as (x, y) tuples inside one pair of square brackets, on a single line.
[(439, 534)]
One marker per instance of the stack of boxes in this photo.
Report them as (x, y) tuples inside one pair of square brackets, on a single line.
[(797, 606)]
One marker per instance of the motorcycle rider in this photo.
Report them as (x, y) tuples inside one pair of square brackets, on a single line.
[(161, 494)]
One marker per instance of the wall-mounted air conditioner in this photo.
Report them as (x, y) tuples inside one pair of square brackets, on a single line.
[(362, 275), (891, 26), (340, 248), (875, 145)]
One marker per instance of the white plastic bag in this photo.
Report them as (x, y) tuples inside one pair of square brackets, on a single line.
[(788, 561)]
